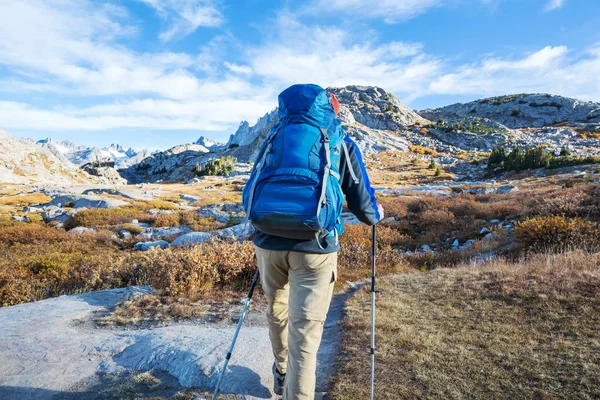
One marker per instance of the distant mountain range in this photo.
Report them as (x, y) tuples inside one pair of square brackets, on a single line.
[(374, 118), (81, 155)]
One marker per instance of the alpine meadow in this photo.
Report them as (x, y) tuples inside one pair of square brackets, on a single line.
[(408, 209)]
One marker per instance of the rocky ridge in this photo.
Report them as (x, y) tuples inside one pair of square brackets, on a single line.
[(522, 110)]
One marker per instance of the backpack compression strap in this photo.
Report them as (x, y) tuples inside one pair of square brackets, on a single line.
[(258, 167), (326, 170)]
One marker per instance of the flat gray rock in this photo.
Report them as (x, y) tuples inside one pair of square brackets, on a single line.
[(46, 352)]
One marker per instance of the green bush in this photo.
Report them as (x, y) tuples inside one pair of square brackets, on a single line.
[(220, 166), (500, 160)]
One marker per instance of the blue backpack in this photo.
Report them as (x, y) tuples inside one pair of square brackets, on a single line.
[(294, 189)]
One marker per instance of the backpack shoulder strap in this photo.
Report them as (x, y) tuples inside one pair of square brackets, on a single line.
[(348, 162)]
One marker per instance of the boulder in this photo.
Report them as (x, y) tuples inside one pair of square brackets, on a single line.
[(425, 249), (164, 232), (467, 244), (189, 198), (82, 230), (124, 234), (145, 246), (455, 244), (31, 209), (221, 213), (76, 201), (192, 238), (239, 232), (57, 214), (19, 218), (484, 231), (506, 189)]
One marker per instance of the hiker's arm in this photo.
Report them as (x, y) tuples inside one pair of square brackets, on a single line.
[(359, 194)]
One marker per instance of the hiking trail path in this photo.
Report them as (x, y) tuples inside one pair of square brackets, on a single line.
[(46, 352)]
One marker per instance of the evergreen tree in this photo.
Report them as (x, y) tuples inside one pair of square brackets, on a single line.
[(565, 152)]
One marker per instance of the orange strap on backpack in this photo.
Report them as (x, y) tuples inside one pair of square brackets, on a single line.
[(335, 103)]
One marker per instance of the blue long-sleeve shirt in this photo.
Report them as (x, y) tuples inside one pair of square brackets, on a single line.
[(360, 198)]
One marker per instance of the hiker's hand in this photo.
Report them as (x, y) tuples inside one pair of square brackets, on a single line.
[(380, 211)]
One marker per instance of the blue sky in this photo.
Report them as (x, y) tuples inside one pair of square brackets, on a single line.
[(155, 73)]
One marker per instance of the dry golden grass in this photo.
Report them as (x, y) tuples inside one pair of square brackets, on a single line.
[(24, 199), (153, 308), (503, 331), (106, 218), (401, 168), (188, 218), (223, 197)]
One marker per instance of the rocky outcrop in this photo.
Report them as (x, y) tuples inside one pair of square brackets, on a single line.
[(375, 108), (176, 164), (522, 110), (373, 117), (237, 232), (208, 143), (245, 143)]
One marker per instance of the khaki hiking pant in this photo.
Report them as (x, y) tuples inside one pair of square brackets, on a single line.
[(298, 287)]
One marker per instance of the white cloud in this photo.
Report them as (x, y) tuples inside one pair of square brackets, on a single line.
[(67, 46), (554, 4), (185, 16), (551, 70), (238, 69), (390, 10), (52, 55), (332, 57), (209, 115)]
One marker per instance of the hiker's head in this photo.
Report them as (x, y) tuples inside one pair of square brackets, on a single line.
[(309, 102)]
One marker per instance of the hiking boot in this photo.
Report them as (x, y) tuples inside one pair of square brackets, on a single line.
[(278, 381)]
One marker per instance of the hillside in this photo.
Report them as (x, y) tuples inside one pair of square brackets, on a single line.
[(23, 161), (522, 110)]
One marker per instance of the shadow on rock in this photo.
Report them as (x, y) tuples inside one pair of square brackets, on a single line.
[(252, 382)]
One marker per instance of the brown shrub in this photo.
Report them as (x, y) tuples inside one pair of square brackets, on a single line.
[(166, 220), (354, 258), (192, 272), (557, 234), (188, 218), (102, 218), (30, 233)]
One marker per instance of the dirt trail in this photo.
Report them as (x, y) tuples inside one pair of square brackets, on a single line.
[(46, 354)]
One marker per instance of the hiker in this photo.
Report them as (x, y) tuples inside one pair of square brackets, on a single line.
[(294, 200)]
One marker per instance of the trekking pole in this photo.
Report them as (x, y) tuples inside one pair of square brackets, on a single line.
[(235, 335), (373, 256)]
